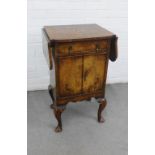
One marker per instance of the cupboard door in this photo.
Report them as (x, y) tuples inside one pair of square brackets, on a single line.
[(94, 73), (70, 76)]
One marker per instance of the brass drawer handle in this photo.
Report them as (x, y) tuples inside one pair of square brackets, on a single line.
[(97, 47)]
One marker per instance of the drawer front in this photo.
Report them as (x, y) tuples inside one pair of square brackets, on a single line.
[(63, 49)]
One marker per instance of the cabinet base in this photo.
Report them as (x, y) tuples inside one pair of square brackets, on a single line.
[(102, 105), (59, 109)]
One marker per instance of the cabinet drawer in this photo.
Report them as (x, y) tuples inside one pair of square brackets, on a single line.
[(63, 49)]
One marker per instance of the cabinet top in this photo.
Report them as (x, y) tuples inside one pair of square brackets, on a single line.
[(65, 33)]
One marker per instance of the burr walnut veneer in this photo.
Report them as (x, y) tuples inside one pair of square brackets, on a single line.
[(79, 54)]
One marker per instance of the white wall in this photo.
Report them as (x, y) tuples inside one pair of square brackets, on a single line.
[(111, 14)]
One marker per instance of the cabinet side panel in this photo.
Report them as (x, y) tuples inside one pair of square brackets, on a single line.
[(47, 50)]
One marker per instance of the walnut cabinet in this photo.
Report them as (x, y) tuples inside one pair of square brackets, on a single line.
[(79, 54)]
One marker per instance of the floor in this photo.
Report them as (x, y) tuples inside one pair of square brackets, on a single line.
[(82, 134)]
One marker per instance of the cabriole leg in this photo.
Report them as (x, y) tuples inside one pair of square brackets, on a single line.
[(102, 105), (57, 112), (56, 109)]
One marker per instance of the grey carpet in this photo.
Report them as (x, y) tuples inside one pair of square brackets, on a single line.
[(82, 134)]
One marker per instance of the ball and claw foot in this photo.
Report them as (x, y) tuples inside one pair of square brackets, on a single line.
[(102, 105), (58, 129), (101, 120)]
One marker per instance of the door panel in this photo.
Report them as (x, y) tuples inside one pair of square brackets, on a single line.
[(94, 71), (70, 76)]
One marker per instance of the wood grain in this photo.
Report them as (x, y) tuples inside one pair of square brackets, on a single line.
[(69, 78), (65, 33), (94, 70), (64, 49)]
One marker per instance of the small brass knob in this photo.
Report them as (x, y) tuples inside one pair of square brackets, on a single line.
[(97, 47)]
